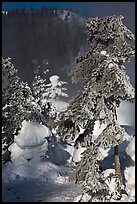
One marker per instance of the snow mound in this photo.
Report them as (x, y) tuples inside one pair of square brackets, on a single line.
[(32, 134), (20, 156)]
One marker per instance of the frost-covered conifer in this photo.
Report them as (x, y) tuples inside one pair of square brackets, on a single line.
[(18, 104), (39, 88), (30, 108), (53, 97), (11, 118), (104, 84)]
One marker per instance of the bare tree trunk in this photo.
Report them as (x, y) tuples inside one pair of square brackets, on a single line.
[(117, 168)]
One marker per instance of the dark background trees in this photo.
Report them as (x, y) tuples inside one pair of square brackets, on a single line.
[(50, 34)]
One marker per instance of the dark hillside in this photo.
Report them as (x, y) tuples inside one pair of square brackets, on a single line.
[(32, 37)]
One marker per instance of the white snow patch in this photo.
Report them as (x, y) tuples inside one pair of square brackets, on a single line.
[(60, 106), (129, 171), (81, 130), (126, 114), (70, 150), (130, 150), (110, 65), (103, 52), (54, 80), (98, 128), (130, 180), (19, 155), (77, 154), (61, 179), (77, 199), (86, 197)]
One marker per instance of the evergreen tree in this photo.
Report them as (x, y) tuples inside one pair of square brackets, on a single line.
[(39, 88), (104, 84), (52, 96), (18, 104), (11, 118)]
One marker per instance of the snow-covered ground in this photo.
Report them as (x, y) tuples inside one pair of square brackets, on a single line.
[(40, 168), (40, 181)]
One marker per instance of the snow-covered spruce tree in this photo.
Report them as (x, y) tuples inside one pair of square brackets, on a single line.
[(104, 84), (18, 104), (30, 108), (11, 117), (38, 84), (38, 90), (53, 97)]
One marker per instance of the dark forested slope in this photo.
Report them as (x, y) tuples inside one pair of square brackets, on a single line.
[(34, 37)]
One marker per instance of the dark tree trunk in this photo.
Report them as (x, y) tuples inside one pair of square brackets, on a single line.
[(117, 168)]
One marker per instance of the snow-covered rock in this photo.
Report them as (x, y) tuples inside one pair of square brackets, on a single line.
[(32, 134)]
